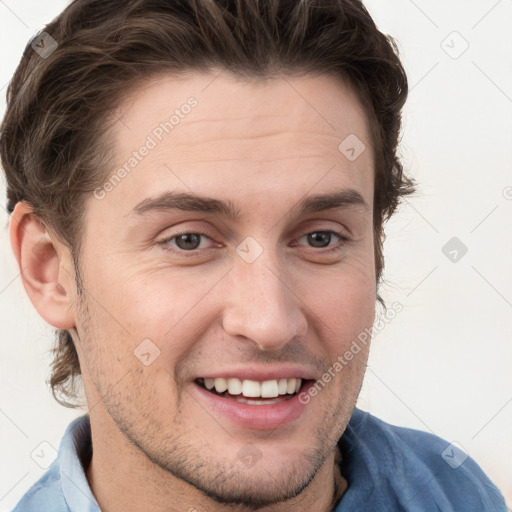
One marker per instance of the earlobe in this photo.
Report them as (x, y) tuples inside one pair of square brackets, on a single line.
[(44, 273)]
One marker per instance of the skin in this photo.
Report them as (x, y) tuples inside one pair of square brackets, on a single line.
[(264, 146)]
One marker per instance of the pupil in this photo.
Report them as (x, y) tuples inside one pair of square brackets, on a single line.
[(188, 241), (319, 238)]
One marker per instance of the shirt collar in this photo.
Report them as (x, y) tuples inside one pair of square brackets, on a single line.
[(75, 488)]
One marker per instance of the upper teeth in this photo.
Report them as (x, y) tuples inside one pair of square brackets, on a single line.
[(253, 388)]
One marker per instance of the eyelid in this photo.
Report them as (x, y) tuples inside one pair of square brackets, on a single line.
[(186, 226), (342, 238), (165, 242)]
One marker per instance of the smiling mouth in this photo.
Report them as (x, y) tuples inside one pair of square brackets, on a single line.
[(253, 392)]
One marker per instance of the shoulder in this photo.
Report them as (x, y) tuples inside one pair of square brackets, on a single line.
[(399, 468)]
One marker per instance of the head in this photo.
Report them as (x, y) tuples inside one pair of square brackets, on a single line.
[(199, 189)]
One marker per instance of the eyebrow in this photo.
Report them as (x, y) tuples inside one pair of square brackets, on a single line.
[(187, 202), (342, 199)]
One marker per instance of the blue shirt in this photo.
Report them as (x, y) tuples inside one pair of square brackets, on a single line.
[(388, 469)]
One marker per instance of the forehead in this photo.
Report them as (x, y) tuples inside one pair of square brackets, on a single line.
[(212, 132), (324, 104)]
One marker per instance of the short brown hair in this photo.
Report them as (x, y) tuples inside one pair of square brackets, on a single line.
[(54, 147)]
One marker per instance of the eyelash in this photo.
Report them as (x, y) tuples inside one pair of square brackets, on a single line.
[(193, 252), (165, 243), (343, 240)]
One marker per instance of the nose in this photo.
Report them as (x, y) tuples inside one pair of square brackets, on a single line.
[(262, 304)]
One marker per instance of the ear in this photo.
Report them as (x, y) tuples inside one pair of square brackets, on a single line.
[(45, 266)]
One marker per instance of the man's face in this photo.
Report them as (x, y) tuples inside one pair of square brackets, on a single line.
[(277, 288)]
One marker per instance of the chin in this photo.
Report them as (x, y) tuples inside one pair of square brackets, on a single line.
[(274, 476), (256, 490)]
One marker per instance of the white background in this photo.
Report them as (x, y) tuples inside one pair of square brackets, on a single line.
[(444, 363)]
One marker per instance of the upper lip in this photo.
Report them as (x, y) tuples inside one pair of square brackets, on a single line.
[(261, 374)]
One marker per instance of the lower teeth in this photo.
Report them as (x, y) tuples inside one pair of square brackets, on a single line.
[(255, 401)]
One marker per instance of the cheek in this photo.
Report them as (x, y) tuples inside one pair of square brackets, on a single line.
[(343, 303), (157, 312), (123, 353)]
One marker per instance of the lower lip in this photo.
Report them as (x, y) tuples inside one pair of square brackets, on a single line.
[(258, 417)]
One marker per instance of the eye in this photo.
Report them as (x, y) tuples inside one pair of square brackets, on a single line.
[(322, 239), (187, 241)]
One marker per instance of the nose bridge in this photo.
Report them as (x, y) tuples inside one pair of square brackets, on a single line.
[(261, 304)]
